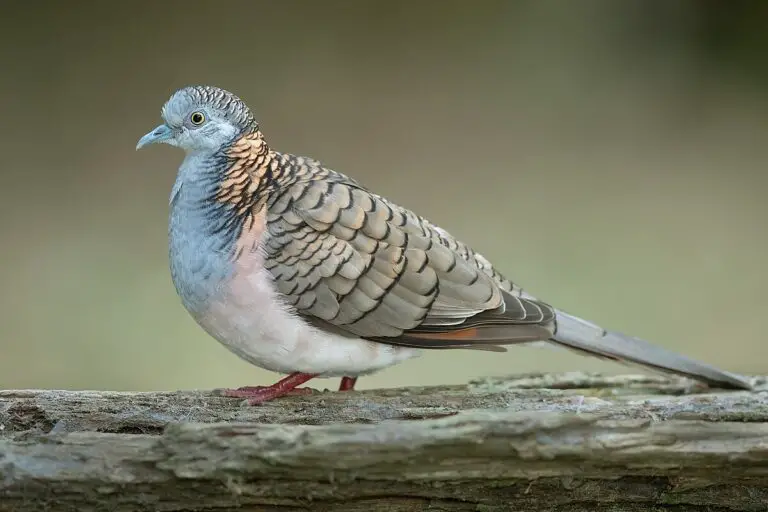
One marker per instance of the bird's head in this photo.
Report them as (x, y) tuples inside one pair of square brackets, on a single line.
[(201, 118)]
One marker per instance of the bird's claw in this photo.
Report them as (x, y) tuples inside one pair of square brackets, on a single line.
[(259, 394)]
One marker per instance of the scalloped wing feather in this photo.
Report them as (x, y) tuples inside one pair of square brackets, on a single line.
[(353, 260)]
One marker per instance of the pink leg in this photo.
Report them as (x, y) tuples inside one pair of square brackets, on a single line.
[(347, 383), (259, 394)]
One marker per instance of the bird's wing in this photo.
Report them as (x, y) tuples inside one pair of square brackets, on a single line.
[(356, 264), (352, 261)]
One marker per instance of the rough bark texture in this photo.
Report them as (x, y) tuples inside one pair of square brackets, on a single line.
[(569, 442)]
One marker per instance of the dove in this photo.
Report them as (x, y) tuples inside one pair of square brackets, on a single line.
[(301, 270)]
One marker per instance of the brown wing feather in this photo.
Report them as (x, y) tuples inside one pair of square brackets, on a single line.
[(522, 320), (353, 260)]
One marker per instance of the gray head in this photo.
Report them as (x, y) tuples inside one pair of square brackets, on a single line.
[(201, 118)]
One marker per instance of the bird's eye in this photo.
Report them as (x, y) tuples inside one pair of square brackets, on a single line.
[(197, 118)]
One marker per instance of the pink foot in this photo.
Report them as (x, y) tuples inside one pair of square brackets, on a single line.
[(347, 383), (260, 394), (251, 391)]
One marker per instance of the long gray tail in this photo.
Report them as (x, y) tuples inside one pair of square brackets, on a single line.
[(580, 335)]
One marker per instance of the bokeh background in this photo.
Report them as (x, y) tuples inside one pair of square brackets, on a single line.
[(612, 157)]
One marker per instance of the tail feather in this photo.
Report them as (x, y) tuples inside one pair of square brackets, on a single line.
[(578, 334)]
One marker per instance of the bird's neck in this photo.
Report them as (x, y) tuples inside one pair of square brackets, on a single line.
[(214, 197), (226, 183)]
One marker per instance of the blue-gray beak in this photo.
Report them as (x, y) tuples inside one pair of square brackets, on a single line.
[(160, 134)]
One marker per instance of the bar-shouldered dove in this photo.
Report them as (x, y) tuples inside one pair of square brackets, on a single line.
[(301, 270)]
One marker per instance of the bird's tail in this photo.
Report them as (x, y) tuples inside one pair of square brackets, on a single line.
[(578, 334)]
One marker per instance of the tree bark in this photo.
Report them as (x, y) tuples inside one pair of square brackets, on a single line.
[(567, 442)]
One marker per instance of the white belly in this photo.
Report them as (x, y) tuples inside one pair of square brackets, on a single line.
[(248, 317)]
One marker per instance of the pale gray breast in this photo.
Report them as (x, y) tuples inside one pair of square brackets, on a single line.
[(201, 238)]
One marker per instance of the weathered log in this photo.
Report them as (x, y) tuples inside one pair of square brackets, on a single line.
[(568, 442)]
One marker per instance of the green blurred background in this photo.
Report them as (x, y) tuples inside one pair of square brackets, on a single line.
[(609, 155)]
